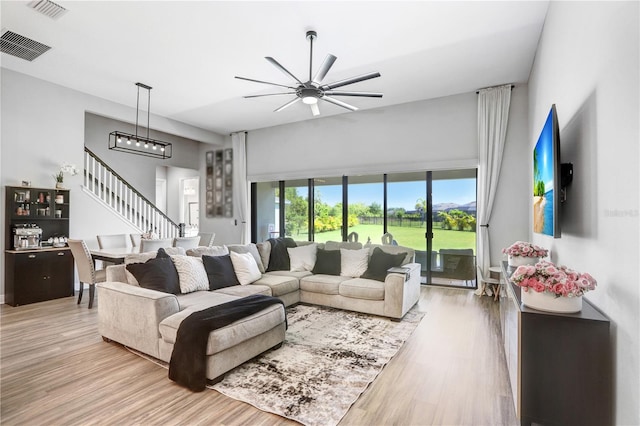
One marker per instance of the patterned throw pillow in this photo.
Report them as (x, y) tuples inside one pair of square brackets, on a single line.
[(302, 258), (353, 263), (193, 276)]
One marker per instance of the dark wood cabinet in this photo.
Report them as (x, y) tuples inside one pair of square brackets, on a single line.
[(37, 274), (560, 365)]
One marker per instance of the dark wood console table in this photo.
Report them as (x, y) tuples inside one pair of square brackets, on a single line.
[(559, 364)]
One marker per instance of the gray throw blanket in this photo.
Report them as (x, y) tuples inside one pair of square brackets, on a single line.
[(188, 365)]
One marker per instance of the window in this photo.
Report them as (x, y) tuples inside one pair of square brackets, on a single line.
[(327, 213)]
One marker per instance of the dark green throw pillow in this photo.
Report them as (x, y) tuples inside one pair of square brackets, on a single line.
[(220, 271), (327, 262), (380, 261)]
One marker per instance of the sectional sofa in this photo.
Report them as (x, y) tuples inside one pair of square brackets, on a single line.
[(147, 319)]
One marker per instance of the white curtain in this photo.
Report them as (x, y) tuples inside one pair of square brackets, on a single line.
[(240, 184), (493, 116)]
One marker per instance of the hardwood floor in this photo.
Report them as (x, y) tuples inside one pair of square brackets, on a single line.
[(55, 369)]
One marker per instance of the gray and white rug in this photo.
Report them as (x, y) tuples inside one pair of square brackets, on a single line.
[(328, 359)]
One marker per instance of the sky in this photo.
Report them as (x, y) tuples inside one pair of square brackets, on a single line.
[(403, 194)]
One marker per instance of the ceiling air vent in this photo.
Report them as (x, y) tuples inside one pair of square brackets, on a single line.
[(48, 8), (21, 46)]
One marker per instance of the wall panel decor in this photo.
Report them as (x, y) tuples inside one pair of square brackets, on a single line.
[(219, 190)]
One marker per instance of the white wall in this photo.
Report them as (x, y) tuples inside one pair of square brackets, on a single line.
[(587, 64), (437, 134), (43, 125)]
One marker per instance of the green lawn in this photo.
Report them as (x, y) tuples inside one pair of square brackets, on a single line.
[(405, 236)]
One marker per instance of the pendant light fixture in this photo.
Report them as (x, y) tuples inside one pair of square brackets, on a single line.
[(136, 144)]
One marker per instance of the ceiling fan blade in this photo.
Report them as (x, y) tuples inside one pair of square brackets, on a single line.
[(339, 103), (291, 102), (314, 109), (351, 80), (264, 82), (361, 94), (269, 94), (324, 69), (281, 68)]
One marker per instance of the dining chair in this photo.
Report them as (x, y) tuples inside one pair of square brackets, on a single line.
[(87, 274), (387, 239), (112, 241), (187, 242), (206, 238), (154, 245), (352, 237), (491, 281), (135, 239)]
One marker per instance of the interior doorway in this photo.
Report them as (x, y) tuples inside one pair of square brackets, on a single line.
[(190, 205)]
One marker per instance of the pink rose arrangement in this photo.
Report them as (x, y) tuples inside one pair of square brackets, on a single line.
[(558, 280), (525, 249)]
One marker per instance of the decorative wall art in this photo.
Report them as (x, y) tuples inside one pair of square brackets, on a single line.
[(219, 192)]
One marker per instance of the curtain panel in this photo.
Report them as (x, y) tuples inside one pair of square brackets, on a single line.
[(493, 117), (241, 191)]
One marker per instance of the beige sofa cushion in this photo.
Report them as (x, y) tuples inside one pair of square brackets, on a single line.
[(279, 284), (245, 290), (337, 245), (362, 288), (325, 284), (231, 335)]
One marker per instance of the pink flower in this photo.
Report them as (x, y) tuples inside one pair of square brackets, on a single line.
[(560, 289), (558, 280), (537, 285)]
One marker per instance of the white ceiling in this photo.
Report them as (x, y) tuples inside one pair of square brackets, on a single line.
[(190, 51)]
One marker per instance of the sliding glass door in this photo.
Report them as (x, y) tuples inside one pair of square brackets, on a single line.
[(433, 213), (454, 228)]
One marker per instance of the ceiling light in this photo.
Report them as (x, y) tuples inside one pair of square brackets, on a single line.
[(310, 100), (141, 142)]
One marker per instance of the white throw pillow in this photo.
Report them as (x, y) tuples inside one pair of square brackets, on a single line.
[(302, 258), (248, 248), (353, 263), (191, 272), (245, 267)]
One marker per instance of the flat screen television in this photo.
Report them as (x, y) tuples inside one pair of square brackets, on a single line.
[(546, 178)]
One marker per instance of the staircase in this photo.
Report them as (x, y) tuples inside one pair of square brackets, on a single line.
[(116, 194)]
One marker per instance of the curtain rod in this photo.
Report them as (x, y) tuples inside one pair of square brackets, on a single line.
[(478, 91)]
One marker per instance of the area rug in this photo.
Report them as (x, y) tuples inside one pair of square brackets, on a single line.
[(328, 359)]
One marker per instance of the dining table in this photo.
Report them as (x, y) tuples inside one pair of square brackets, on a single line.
[(115, 255)]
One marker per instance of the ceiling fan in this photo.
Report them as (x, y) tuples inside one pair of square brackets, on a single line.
[(313, 90)]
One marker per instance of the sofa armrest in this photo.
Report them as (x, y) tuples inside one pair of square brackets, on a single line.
[(131, 315), (401, 292)]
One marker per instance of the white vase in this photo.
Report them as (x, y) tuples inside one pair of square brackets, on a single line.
[(548, 302), (59, 185), (522, 260)]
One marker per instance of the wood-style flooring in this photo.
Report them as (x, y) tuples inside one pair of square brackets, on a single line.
[(56, 370)]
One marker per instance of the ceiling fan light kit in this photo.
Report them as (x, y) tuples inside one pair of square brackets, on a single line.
[(311, 91)]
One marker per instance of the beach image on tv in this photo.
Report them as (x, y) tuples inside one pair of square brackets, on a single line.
[(543, 180)]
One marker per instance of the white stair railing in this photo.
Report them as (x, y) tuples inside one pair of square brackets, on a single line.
[(119, 196)]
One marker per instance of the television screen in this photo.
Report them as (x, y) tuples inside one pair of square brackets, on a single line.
[(546, 175)]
